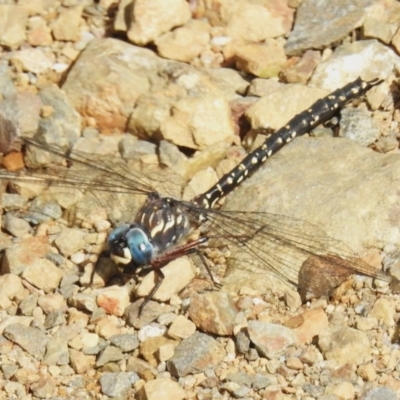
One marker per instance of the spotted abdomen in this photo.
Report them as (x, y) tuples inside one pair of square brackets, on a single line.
[(321, 111)]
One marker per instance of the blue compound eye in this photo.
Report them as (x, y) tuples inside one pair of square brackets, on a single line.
[(139, 245)]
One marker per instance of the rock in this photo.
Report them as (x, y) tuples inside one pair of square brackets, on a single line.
[(150, 312), (150, 331), (301, 70), (344, 18), (34, 7), (367, 372), (39, 33), (384, 311), (271, 340), (195, 354), (16, 226), (24, 253), (262, 380), (52, 302), (32, 60), (126, 343), (141, 367), (264, 60), (43, 274), (114, 300), (294, 363), (44, 387), (255, 22), (69, 241), (178, 273), (329, 207), (380, 393), (149, 21), (184, 43), (357, 125), (11, 286), (181, 328), (165, 388), (373, 28), (54, 318), (13, 20), (150, 348), (57, 352), (109, 354), (203, 180), (30, 339), (83, 301), (308, 325), (118, 383), (343, 390), (80, 362), (213, 312), (344, 345), (66, 26), (62, 126), (199, 122), (273, 111), (108, 326), (371, 59)]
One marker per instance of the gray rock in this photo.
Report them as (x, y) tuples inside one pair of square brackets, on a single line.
[(242, 342), (96, 349), (195, 354), (131, 148), (57, 352), (125, 342), (357, 125), (7, 88), (344, 17), (41, 212), (110, 353), (261, 381), (381, 393), (63, 125), (30, 339), (28, 304), (54, 318), (16, 226), (271, 340), (240, 378), (118, 383), (13, 201)]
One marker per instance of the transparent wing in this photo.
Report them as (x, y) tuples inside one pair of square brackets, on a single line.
[(293, 250), (116, 185)]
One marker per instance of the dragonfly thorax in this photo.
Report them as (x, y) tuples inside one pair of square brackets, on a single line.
[(158, 225)]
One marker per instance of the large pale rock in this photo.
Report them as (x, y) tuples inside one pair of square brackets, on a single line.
[(13, 21), (151, 19), (347, 190), (124, 87), (255, 22)]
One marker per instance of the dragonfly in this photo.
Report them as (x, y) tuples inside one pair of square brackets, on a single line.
[(162, 228)]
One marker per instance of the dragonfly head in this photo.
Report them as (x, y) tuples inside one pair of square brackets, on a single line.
[(129, 243)]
